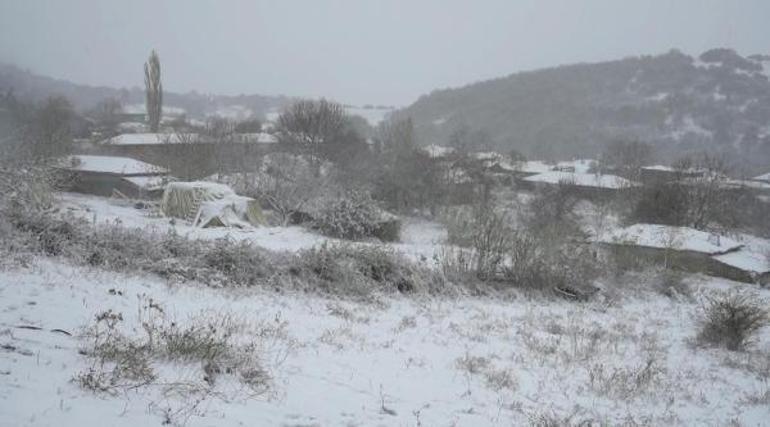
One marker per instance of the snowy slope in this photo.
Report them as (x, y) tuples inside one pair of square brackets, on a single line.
[(467, 362)]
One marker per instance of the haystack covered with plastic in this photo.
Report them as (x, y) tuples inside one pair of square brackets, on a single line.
[(208, 204)]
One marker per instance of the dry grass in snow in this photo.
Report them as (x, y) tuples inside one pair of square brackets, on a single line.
[(399, 361)]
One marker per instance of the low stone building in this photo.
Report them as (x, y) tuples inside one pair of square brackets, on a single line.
[(685, 249), (190, 155), (112, 176), (585, 185)]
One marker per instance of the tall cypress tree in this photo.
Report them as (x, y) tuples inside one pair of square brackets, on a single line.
[(153, 90)]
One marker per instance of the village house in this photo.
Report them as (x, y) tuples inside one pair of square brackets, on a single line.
[(686, 249), (586, 185), (191, 155), (112, 176)]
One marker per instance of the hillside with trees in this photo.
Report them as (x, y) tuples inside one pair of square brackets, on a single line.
[(717, 102), (30, 87)]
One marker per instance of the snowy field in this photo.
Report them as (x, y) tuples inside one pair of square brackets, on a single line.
[(627, 357), (427, 361), (420, 239)]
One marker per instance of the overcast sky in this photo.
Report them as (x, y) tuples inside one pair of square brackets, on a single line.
[(356, 51)]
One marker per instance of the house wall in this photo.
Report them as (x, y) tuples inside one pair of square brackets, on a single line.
[(588, 193), (689, 261), (103, 185), (194, 161)]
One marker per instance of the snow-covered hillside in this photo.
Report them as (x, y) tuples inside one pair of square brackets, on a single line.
[(425, 361)]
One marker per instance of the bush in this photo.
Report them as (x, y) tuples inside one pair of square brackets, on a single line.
[(459, 223), (49, 235), (343, 270), (240, 263), (730, 320), (671, 284), (122, 362), (536, 263), (353, 216), (552, 212), (491, 240), (361, 271)]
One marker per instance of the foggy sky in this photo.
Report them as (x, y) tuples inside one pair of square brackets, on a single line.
[(356, 51)]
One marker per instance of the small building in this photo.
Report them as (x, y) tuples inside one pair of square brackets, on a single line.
[(756, 187), (586, 185), (686, 249), (191, 155), (112, 176), (137, 113), (438, 152), (745, 265), (657, 174), (765, 178)]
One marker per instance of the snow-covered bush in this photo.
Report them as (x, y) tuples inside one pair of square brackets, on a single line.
[(120, 360), (47, 234), (353, 216), (459, 222), (730, 320), (538, 264), (362, 271), (671, 283), (485, 232), (239, 263)]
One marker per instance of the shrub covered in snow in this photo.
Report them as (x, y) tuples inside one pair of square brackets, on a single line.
[(538, 264), (361, 271), (671, 283), (355, 216), (730, 320), (119, 360)]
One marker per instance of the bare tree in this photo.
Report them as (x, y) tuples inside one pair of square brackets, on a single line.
[(49, 134), (153, 91), (408, 178), (313, 126), (460, 140), (708, 201), (626, 157), (106, 113), (286, 184)]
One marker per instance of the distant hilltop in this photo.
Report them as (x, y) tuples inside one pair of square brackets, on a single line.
[(718, 101)]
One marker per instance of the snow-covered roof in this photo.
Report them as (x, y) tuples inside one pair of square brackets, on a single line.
[(148, 182), (534, 166), (150, 138), (109, 164), (746, 260), (763, 177), (177, 138), (142, 109), (213, 188), (435, 151), (659, 168), (256, 138), (487, 155), (132, 127), (670, 237), (582, 179), (579, 165), (745, 183)]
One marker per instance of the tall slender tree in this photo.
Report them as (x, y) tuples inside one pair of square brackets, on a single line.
[(153, 90)]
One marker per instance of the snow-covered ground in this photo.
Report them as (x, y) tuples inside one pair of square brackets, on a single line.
[(625, 357), (420, 239), (468, 361)]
